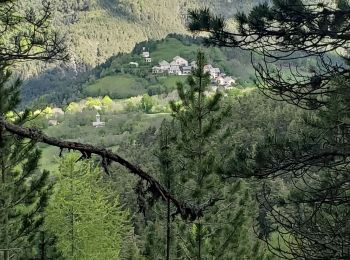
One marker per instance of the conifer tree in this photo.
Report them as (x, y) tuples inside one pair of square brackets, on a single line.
[(165, 140), (88, 224), (197, 123), (223, 231), (24, 189)]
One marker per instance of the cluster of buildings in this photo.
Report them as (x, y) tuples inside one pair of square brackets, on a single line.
[(180, 66), (219, 78)]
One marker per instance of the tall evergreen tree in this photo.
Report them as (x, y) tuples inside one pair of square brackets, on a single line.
[(222, 232), (24, 189), (197, 123), (88, 224), (165, 158)]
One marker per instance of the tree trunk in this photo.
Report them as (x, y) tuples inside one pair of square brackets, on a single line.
[(199, 225), (168, 232), (6, 252), (42, 246)]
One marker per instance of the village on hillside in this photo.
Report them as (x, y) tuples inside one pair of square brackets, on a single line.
[(180, 66)]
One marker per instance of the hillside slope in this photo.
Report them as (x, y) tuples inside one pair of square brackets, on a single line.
[(117, 78), (98, 29)]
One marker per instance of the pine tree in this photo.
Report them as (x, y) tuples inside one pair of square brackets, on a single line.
[(24, 189), (165, 158), (87, 223), (224, 231)]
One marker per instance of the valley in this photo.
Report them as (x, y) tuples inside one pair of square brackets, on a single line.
[(174, 129)]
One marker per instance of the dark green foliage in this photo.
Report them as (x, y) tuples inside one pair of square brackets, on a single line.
[(24, 189), (25, 34), (224, 231), (308, 162), (195, 114)]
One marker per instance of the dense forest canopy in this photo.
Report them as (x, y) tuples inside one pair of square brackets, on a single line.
[(227, 141)]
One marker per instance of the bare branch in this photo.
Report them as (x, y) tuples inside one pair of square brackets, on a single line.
[(186, 210)]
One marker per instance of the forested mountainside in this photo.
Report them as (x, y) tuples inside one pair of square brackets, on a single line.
[(98, 29), (101, 28)]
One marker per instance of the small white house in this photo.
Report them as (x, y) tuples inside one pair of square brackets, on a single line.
[(148, 59), (214, 72), (145, 54), (229, 81), (164, 65), (186, 70), (98, 122), (180, 61), (175, 69)]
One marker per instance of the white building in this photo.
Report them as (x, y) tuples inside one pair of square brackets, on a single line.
[(220, 81), (174, 63), (175, 69), (186, 70), (164, 65), (225, 81), (98, 122), (148, 59), (229, 81), (145, 54), (214, 73), (180, 61)]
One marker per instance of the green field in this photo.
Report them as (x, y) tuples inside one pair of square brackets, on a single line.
[(170, 47), (118, 86), (170, 82)]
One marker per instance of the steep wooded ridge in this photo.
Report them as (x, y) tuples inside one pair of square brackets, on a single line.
[(98, 29)]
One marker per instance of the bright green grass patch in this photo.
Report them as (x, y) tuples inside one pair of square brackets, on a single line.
[(119, 86), (49, 158), (171, 81), (171, 47)]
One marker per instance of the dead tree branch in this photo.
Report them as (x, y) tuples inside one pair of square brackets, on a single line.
[(186, 210)]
